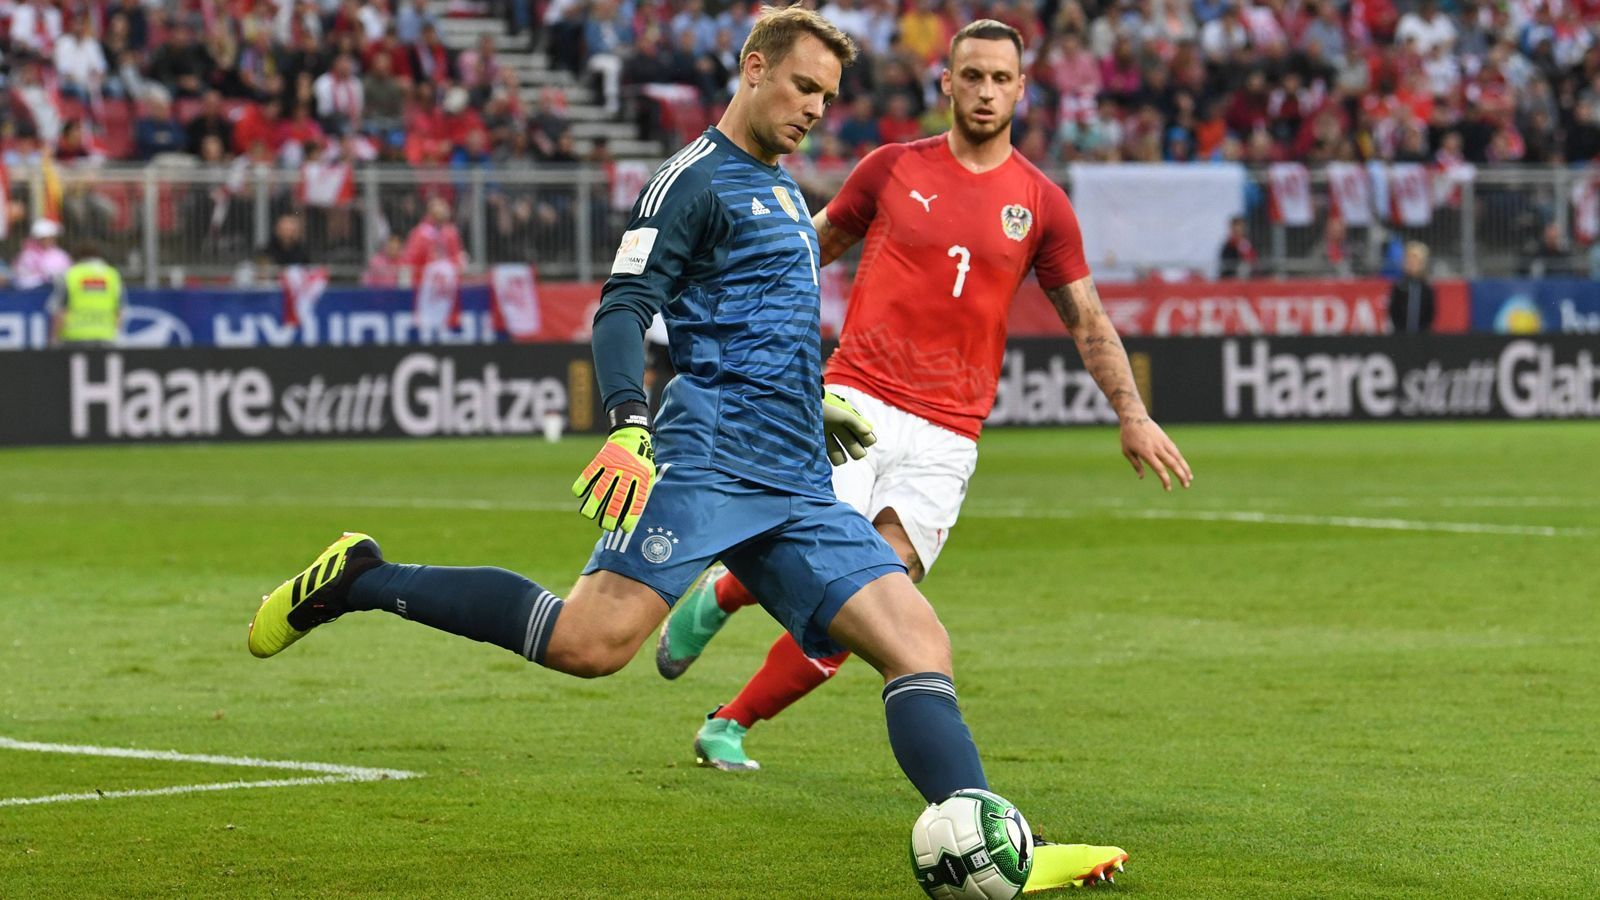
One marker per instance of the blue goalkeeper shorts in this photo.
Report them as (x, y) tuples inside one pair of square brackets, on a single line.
[(801, 557)]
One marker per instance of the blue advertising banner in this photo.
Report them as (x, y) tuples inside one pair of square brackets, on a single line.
[(254, 318), (1544, 306)]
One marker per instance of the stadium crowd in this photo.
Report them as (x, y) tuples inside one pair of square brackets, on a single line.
[(1148, 80), (279, 81), (325, 86), (1180, 80)]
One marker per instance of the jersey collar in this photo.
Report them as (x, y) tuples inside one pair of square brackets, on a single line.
[(722, 140)]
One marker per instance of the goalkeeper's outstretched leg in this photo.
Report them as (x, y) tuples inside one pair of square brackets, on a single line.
[(593, 632)]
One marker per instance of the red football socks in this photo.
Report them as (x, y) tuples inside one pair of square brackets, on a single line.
[(786, 676), (731, 595)]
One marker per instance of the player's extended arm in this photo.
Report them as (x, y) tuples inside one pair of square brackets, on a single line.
[(832, 241), (615, 485), (1143, 441)]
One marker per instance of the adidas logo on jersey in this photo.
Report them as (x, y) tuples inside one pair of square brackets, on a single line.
[(757, 208)]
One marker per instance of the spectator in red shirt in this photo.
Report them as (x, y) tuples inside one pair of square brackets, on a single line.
[(459, 119), (398, 54), (898, 125), (387, 267), (1210, 131), (1380, 18), (434, 238), (259, 124), (302, 129), (1248, 109)]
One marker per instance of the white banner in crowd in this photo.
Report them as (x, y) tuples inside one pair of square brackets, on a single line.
[(1412, 196), (327, 184), (438, 294), (1152, 215), (1291, 193), (1350, 193), (628, 178), (515, 294), (303, 286)]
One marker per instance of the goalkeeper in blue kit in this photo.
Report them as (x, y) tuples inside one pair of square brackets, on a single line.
[(736, 467)]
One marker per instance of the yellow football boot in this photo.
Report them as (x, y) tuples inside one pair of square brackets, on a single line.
[(1072, 865), (313, 597)]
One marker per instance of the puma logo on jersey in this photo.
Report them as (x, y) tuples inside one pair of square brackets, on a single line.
[(757, 208), (917, 196)]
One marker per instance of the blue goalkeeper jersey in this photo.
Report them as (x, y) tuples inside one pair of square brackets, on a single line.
[(722, 246)]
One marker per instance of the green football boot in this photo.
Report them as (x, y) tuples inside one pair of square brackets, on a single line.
[(694, 622), (313, 597), (720, 745)]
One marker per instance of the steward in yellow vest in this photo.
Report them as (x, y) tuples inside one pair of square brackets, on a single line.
[(87, 302)]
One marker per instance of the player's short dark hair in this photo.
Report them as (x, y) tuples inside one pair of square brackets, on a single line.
[(987, 30), (777, 28)]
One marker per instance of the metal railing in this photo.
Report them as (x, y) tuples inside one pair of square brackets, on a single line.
[(172, 223), (1487, 226), (177, 223)]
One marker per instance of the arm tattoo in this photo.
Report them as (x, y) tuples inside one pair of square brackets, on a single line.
[(832, 241), (1078, 304)]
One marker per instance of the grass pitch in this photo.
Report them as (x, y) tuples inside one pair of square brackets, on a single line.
[(1290, 681)]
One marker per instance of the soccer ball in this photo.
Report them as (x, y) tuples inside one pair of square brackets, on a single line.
[(973, 845)]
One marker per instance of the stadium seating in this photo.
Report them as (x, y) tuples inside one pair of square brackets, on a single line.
[(1146, 80)]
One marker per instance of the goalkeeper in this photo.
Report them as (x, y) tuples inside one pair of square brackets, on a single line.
[(722, 245)]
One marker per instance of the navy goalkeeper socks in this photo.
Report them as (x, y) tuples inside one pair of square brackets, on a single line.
[(930, 740), (492, 605)]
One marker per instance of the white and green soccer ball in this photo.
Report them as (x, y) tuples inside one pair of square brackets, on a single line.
[(973, 846)]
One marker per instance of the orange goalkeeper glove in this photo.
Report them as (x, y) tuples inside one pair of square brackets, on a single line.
[(616, 484)]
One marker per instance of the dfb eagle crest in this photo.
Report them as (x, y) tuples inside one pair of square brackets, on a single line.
[(1016, 221)]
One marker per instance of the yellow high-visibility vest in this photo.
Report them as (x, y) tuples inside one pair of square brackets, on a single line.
[(94, 299)]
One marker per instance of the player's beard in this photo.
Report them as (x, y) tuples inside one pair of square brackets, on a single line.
[(978, 134)]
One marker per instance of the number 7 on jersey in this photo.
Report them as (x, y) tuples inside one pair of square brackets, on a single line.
[(962, 267)]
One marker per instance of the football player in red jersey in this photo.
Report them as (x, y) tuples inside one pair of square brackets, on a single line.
[(952, 225)]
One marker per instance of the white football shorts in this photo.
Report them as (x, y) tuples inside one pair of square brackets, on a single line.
[(916, 468)]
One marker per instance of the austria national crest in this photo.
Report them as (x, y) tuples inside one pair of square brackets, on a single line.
[(1016, 221)]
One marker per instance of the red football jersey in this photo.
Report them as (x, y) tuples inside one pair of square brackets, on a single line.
[(945, 251)]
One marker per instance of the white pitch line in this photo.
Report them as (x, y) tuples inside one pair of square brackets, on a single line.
[(335, 774), (1485, 502), (180, 789), (363, 772), (1263, 518), (235, 500), (1257, 517)]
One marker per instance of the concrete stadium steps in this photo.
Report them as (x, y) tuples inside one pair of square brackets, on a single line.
[(612, 131), (456, 28), (534, 73), (633, 148)]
